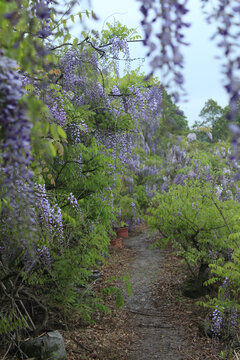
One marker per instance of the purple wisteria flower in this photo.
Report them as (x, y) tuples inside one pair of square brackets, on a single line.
[(119, 45), (45, 256), (119, 142), (73, 201), (233, 322), (18, 227), (170, 15), (50, 217), (192, 137), (213, 254), (42, 10), (217, 322), (57, 111), (210, 135)]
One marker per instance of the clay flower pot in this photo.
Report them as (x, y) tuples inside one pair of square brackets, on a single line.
[(116, 242), (123, 232)]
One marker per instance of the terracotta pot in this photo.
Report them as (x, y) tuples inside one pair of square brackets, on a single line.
[(116, 242), (122, 232)]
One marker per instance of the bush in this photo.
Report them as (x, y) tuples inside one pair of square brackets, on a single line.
[(195, 221)]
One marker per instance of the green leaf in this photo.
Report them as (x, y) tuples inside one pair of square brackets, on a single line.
[(128, 285), (51, 151), (119, 300), (58, 146), (66, 37), (45, 127), (61, 132), (29, 87), (54, 131), (75, 42)]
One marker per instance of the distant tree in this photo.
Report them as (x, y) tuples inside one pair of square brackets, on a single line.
[(214, 120), (220, 129), (173, 118), (210, 113)]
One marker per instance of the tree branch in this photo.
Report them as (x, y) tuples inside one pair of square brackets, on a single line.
[(45, 319), (64, 165), (222, 215), (128, 41), (68, 44)]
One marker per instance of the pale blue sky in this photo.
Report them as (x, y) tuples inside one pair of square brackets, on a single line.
[(202, 71)]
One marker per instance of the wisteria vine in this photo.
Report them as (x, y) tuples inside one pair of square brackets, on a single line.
[(16, 176)]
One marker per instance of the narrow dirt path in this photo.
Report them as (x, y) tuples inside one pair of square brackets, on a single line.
[(158, 323), (158, 337)]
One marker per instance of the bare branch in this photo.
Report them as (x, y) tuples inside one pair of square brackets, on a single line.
[(68, 44)]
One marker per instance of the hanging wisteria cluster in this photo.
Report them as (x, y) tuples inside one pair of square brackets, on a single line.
[(144, 104), (80, 81), (50, 217), (119, 142), (57, 110), (225, 15), (118, 46), (178, 158), (73, 201), (171, 15), (217, 322), (45, 256), (15, 175)]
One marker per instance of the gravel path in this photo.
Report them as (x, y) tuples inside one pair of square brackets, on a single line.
[(158, 338)]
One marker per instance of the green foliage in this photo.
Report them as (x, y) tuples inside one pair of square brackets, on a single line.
[(194, 220), (106, 121), (128, 285), (141, 197), (65, 283), (226, 271), (11, 322), (66, 166), (128, 208), (210, 113), (215, 120), (173, 119), (112, 290), (135, 77), (117, 29)]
